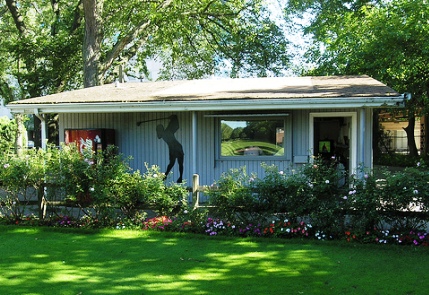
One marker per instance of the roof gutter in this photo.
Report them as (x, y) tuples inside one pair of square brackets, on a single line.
[(209, 105)]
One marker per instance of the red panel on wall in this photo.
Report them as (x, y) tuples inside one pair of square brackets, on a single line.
[(97, 139)]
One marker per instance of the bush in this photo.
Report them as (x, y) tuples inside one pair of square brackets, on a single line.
[(373, 206), (161, 197), (103, 185), (403, 194), (233, 198), (364, 202), (280, 192), (313, 192), (317, 195), (22, 180)]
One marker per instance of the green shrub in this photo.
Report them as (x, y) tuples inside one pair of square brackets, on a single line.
[(326, 204), (161, 197), (22, 180), (403, 194), (232, 196), (279, 192), (75, 173), (364, 200), (394, 159), (8, 129), (103, 185)]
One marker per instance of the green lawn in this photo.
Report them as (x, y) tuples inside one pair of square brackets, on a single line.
[(64, 261), (237, 148)]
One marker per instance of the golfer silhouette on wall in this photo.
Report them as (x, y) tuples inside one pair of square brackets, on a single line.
[(175, 149)]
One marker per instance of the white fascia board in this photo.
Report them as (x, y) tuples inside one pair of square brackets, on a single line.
[(209, 105)]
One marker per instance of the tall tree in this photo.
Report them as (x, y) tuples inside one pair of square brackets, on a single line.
[(192, 38), (384, 39), (41, 48), (55, 45), (41, 53)]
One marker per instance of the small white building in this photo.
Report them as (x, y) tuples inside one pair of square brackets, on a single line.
[(221, 124)]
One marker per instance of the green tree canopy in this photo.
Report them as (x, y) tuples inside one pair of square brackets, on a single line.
[(384, 39), (40, 51), (53, 46)]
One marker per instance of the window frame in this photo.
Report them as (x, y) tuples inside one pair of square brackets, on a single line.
[(287, 139)]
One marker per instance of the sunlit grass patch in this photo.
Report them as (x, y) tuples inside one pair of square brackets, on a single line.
[(48, 261)]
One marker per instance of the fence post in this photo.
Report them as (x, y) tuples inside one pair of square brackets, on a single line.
[(41, 201), (195, 190)]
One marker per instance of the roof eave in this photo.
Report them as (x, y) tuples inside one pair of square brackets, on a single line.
[(209, 105)]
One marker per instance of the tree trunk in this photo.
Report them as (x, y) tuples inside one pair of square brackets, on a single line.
[(93, 10), (20, 138), (424, 136), (410, 136)]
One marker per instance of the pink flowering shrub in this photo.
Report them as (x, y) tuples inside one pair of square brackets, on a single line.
[(157, 223)]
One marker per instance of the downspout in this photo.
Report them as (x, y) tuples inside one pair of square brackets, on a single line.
[(195, 176), (43, 131), (194, 142)]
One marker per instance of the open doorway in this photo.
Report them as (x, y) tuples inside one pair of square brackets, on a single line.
[(333, 138)]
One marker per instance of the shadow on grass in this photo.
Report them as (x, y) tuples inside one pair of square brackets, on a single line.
[(52, 261)]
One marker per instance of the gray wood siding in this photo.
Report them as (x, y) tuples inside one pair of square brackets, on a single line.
[(142, 144), (300, 127)]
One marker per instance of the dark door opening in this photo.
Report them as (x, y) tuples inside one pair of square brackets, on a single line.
[(332, 139)]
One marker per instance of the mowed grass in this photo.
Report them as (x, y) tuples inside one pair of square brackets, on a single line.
[(237, 148), (65, 261)]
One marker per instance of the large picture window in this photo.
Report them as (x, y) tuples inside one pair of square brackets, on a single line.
[(252, 137)]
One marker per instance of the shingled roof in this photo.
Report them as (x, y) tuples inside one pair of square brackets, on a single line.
[(214, 94)]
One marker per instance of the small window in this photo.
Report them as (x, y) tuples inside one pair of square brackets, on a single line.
[(252, 137)]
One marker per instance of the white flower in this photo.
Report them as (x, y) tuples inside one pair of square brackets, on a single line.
[(418, 164), (345, 197), (185, 212), (327, 181), (415, 192), (6, 166), (155, 175), (281, 172), (366, 176), (91, 189)]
